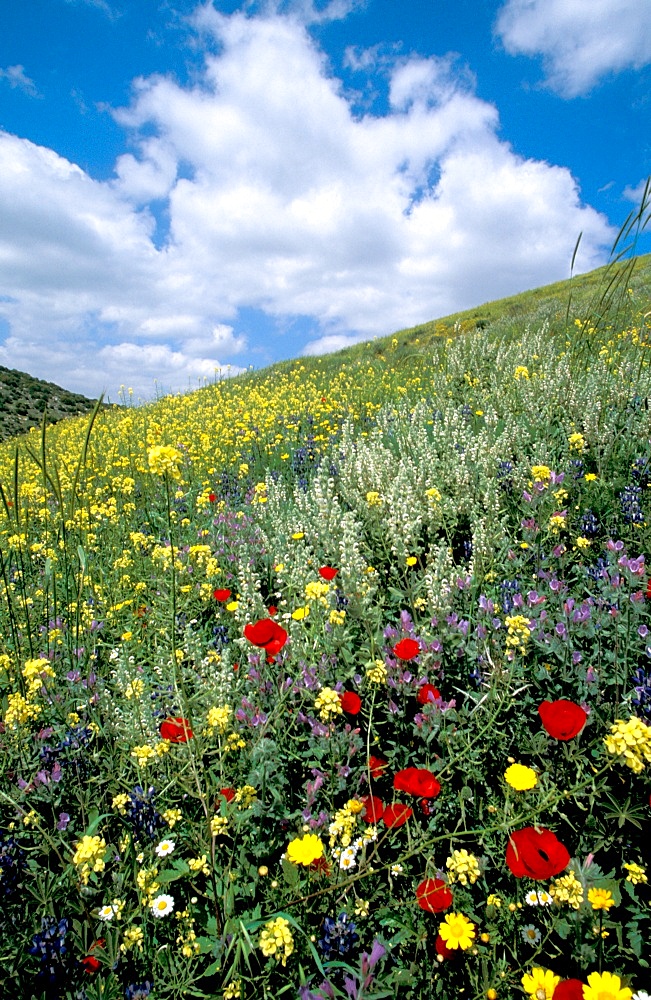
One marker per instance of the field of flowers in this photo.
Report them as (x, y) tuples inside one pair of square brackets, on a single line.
[(334, 680)]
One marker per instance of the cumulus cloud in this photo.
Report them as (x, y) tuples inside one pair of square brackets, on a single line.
[(579, 42), (257, 187), (17, 80)]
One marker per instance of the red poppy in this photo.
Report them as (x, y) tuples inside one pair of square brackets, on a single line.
[(267, 634), (272, 610), (417, 781), (433, 895), (569, 989), (406, 649), (373, 808), (176, 730), (427, 693), (397, 814), (377, 766), (350, 702), (221, 595), (648, 588), (537, 854), (442, 949), (212, 497), (328, 572), (227, 793), (90, 963), (562, 719)]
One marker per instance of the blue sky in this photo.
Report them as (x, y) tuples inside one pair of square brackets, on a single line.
[(191, 186)]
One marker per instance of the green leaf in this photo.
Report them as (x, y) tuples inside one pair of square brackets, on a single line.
[(290, 874)]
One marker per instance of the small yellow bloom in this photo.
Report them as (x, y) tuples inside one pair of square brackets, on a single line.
[(540, 983), (300, 613), (411, 560), (457, 931), (305, 850), (520, 777), (600, 899)]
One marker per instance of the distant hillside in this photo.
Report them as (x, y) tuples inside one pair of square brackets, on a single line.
[(23, 400)]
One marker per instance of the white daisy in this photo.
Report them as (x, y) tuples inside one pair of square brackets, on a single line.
[(530, 935), (347, 859), (531, 898), (107, 912), (641, 995), (544, 898), (162, 905), (164, 848), (397, 869)]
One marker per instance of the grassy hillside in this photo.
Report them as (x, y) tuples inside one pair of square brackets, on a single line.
[(24, 399), (334, 680)]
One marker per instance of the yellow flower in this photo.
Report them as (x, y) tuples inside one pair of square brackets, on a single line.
[(541, 473), (276, 940), (165, 460), (577, 442), (305, 850), (300, 613), (462, 867), (600, 899), (540, 983), (605, 986), (328, 703), (298, 535), (590, 477), (636, 874), (567, 889), (457, 931), (520, 777), (521, 371), (411, 560)]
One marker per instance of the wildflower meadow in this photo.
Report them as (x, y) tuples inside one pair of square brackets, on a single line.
[(334, 680)]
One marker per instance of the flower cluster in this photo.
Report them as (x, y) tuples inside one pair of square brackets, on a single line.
[(630, 740)]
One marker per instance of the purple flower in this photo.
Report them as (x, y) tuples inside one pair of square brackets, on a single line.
[(64, 819)]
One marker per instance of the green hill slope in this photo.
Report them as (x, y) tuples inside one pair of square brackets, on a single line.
[(24, 399)]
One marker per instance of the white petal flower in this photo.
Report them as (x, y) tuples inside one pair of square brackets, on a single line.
[(162, 905), (106, 912), (164, 848)]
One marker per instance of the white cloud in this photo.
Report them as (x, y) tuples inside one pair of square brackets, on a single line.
[(17, 80), (580, 42), (258, 188)]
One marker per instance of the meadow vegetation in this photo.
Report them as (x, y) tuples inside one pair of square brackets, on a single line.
[(334, 680)]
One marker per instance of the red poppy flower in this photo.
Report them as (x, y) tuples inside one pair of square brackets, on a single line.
[(221, 595), (272, 610), (569, 989), (328, 572), (536, 854), (433, 895), (427, 693), (406, 649), (350, 702), (648, 588), (562, 719), (373, 808), (442, 949), (176, 730), (377, 766), (417, 781), (397, 814), (267, 634), (212, 497), (90, 963), (227, 793)]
